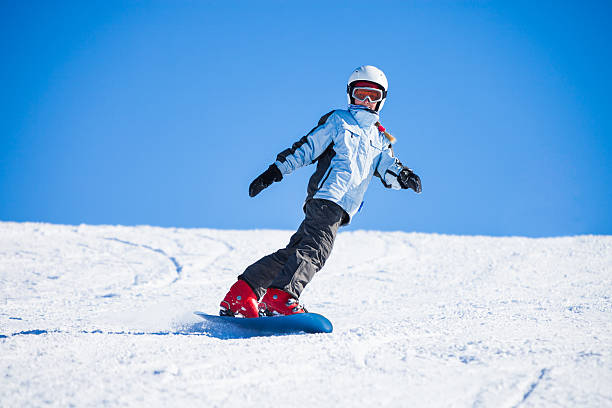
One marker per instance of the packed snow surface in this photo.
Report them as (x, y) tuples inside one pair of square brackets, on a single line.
[(103, 315)]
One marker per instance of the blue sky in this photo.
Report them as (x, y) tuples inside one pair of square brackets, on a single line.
[(162, 113)]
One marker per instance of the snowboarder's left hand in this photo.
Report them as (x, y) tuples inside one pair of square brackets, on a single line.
[(407, 179), (265, 179)]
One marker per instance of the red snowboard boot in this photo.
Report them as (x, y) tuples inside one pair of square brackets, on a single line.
[(277, 302), (240, 301)]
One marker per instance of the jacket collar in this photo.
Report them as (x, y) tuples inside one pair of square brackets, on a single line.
[(365, 117)]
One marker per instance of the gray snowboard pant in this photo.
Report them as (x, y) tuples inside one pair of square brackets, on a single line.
[(291, 268)]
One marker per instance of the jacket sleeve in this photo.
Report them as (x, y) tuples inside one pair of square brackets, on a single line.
[(308, 149), (388, 169)]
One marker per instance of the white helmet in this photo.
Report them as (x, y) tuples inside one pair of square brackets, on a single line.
[(371, 74)]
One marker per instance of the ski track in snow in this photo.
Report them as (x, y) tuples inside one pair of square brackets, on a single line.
[(177, 266), (102, 315)]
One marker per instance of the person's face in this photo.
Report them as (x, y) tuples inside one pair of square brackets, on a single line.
[(366, 103)]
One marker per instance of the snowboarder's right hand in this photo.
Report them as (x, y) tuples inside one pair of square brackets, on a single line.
[(265, 179)]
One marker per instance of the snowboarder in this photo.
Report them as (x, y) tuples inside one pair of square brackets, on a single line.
[(349, 146)]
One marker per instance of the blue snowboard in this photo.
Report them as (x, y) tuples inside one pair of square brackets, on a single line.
[(232, 327)]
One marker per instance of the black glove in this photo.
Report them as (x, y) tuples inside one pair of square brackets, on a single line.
[(265, 179), (407, 179)]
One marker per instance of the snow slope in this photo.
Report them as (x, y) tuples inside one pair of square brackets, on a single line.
[(102, 315)]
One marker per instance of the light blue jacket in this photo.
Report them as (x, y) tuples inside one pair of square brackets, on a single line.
[(349, 150)]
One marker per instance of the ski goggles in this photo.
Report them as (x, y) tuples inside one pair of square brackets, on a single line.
[(363, 93)]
